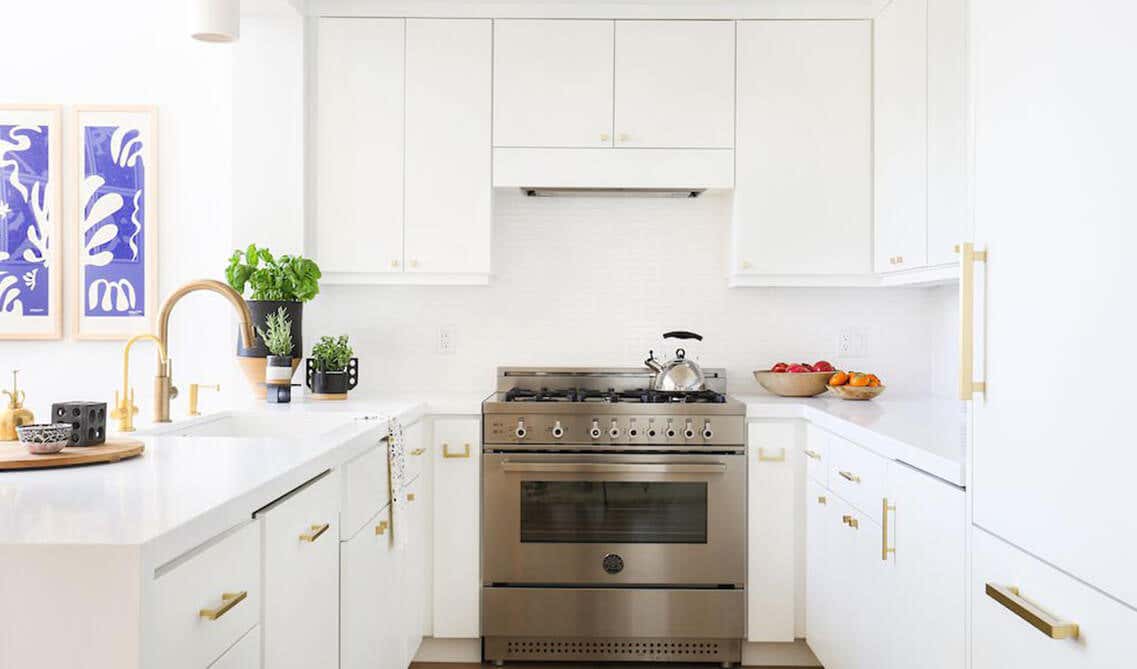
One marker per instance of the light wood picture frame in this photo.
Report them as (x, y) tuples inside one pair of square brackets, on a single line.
[(115, 220), (31, 214)]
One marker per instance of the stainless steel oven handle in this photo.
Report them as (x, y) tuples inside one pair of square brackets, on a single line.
[(613, 468)]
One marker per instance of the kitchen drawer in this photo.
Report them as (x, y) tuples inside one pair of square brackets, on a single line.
[(224, 577), (1002, 639), (816, 451), (366, 489), (857, 475), (246, 654)]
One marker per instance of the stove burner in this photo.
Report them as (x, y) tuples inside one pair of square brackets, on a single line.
[(637, 396)]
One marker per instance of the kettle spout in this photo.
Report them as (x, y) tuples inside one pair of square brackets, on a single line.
[(652, 363)]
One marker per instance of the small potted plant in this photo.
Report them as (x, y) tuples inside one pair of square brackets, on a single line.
[(277, 336), (332, 371)]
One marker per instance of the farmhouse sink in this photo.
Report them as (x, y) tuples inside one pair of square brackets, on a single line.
[(251, 424)]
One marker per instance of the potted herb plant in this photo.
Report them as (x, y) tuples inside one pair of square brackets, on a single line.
[(277, 338), (272, 282), (332, 371)]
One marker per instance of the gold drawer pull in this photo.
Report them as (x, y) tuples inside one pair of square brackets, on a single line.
[(821, 499), (1052, 627), (780, 457), (853, 522), (884, 549), (314, 532), (812, 454), (228, 601), (850, 476), (447, 454), (410, 497), (418, 451), (381, 528), (845, 519)]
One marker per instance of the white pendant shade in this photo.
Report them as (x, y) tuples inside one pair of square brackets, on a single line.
[(215, 20)]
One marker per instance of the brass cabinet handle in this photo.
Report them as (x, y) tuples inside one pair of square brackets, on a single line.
[(780, 457), (1052, 627), (418, 451), (228, 601), (381, 528), (812, 454), (410, 497), (850, 476), (314, 532), (885, 507), (853, 523), (845, 519), (447, 454), (968, 386), (821, 499), (604, 137)]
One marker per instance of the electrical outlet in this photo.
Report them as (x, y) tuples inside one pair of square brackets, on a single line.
[(446, 339), (850, 343)]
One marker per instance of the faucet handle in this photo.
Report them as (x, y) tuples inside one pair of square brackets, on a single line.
[(193, 395), (124, 411)]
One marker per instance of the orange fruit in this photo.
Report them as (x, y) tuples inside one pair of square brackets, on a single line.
[(859, 380), (874, 382), (839, 379)]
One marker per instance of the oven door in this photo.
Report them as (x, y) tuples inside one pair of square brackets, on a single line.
[(627, 519)]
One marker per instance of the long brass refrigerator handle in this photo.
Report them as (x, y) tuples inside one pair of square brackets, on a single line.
[(968, 386), (613, 468), (1053, 627)]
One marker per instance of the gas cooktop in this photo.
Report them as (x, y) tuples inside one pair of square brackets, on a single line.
[(611, 395)]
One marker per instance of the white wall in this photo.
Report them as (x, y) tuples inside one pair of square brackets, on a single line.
[(134, 52), (583, 281)]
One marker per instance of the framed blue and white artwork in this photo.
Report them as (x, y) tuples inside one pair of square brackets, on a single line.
[(116, 231), (31, 281)]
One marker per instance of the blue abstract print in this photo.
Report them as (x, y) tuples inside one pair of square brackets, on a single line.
[(114, 221), (24, 220)]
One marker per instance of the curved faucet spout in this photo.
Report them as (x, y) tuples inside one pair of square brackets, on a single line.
[(164, 389)]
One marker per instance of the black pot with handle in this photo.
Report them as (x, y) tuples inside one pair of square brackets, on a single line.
[(679, 374)]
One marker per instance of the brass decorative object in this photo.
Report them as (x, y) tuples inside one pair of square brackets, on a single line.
[(15, 414)]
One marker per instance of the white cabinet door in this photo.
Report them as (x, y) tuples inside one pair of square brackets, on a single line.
[(820, 588), (947, 129), (448, 185), (867, 645), (301, 577), (901, 122), (359, 144), (413, 569), (246, 653), (925, 550), (840, 598), (369, 633), (675, 84), (1054, 141), (457, 528), (804, 128), (552, 83), (772, 458)]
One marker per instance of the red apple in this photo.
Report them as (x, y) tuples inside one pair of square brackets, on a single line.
[(808, 367), (780, 367), (797, 369), (822, 366)]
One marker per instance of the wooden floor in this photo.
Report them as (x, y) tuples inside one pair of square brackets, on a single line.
[(569, 665)]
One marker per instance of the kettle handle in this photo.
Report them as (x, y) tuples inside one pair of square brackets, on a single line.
[(682, 334)]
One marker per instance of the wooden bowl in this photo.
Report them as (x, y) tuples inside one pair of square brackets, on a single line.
[(790, 384), (848, 392)]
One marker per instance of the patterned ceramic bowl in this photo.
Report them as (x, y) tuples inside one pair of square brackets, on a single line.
[(44, 438)]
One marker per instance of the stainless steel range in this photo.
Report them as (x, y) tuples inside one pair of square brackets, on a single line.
[(614, 518)]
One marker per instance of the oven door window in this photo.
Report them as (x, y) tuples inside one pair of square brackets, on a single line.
[(629, 512)]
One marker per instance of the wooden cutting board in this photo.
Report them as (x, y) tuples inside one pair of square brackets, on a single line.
[(14, 455)]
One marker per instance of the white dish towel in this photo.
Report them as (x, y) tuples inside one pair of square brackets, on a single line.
[(396, 473)]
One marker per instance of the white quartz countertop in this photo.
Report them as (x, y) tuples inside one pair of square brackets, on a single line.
[(923, 432), (183, 490)]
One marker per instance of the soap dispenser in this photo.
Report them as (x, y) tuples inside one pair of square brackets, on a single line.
[(15, 414)]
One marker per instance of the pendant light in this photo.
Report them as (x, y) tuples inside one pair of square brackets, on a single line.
[(215, 20)]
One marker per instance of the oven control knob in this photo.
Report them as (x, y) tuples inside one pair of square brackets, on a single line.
[(633, 432), (670, 433), (689, 431), (595, 431), (651, 433), (521, 431), (707, 431), (614, 431), (558, 431)]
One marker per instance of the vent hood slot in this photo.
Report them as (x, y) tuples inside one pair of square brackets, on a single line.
[(540, 191)]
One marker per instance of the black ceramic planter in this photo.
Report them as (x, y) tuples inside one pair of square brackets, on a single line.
[(332, 383)]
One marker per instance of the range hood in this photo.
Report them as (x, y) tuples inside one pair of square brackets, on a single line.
[(613, 172)]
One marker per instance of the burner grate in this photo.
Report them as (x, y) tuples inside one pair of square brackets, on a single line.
[(613, 396)]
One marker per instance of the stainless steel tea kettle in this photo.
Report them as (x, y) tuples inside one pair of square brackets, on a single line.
[(679, 374)]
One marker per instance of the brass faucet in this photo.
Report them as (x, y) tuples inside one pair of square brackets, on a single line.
[(164, 389), (124, 408)]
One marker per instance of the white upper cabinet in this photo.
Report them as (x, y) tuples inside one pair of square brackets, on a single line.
[(1054, 140), (948, 196), (359, 145), (674, 84), (448, 101), (901, 183), (803, 161), (552, 83)]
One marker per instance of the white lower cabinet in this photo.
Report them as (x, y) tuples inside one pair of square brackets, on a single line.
[(773, 457), (885, 586), (457, 528), (1018, 602), (245, 654), (302, 576), (369, 634)]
